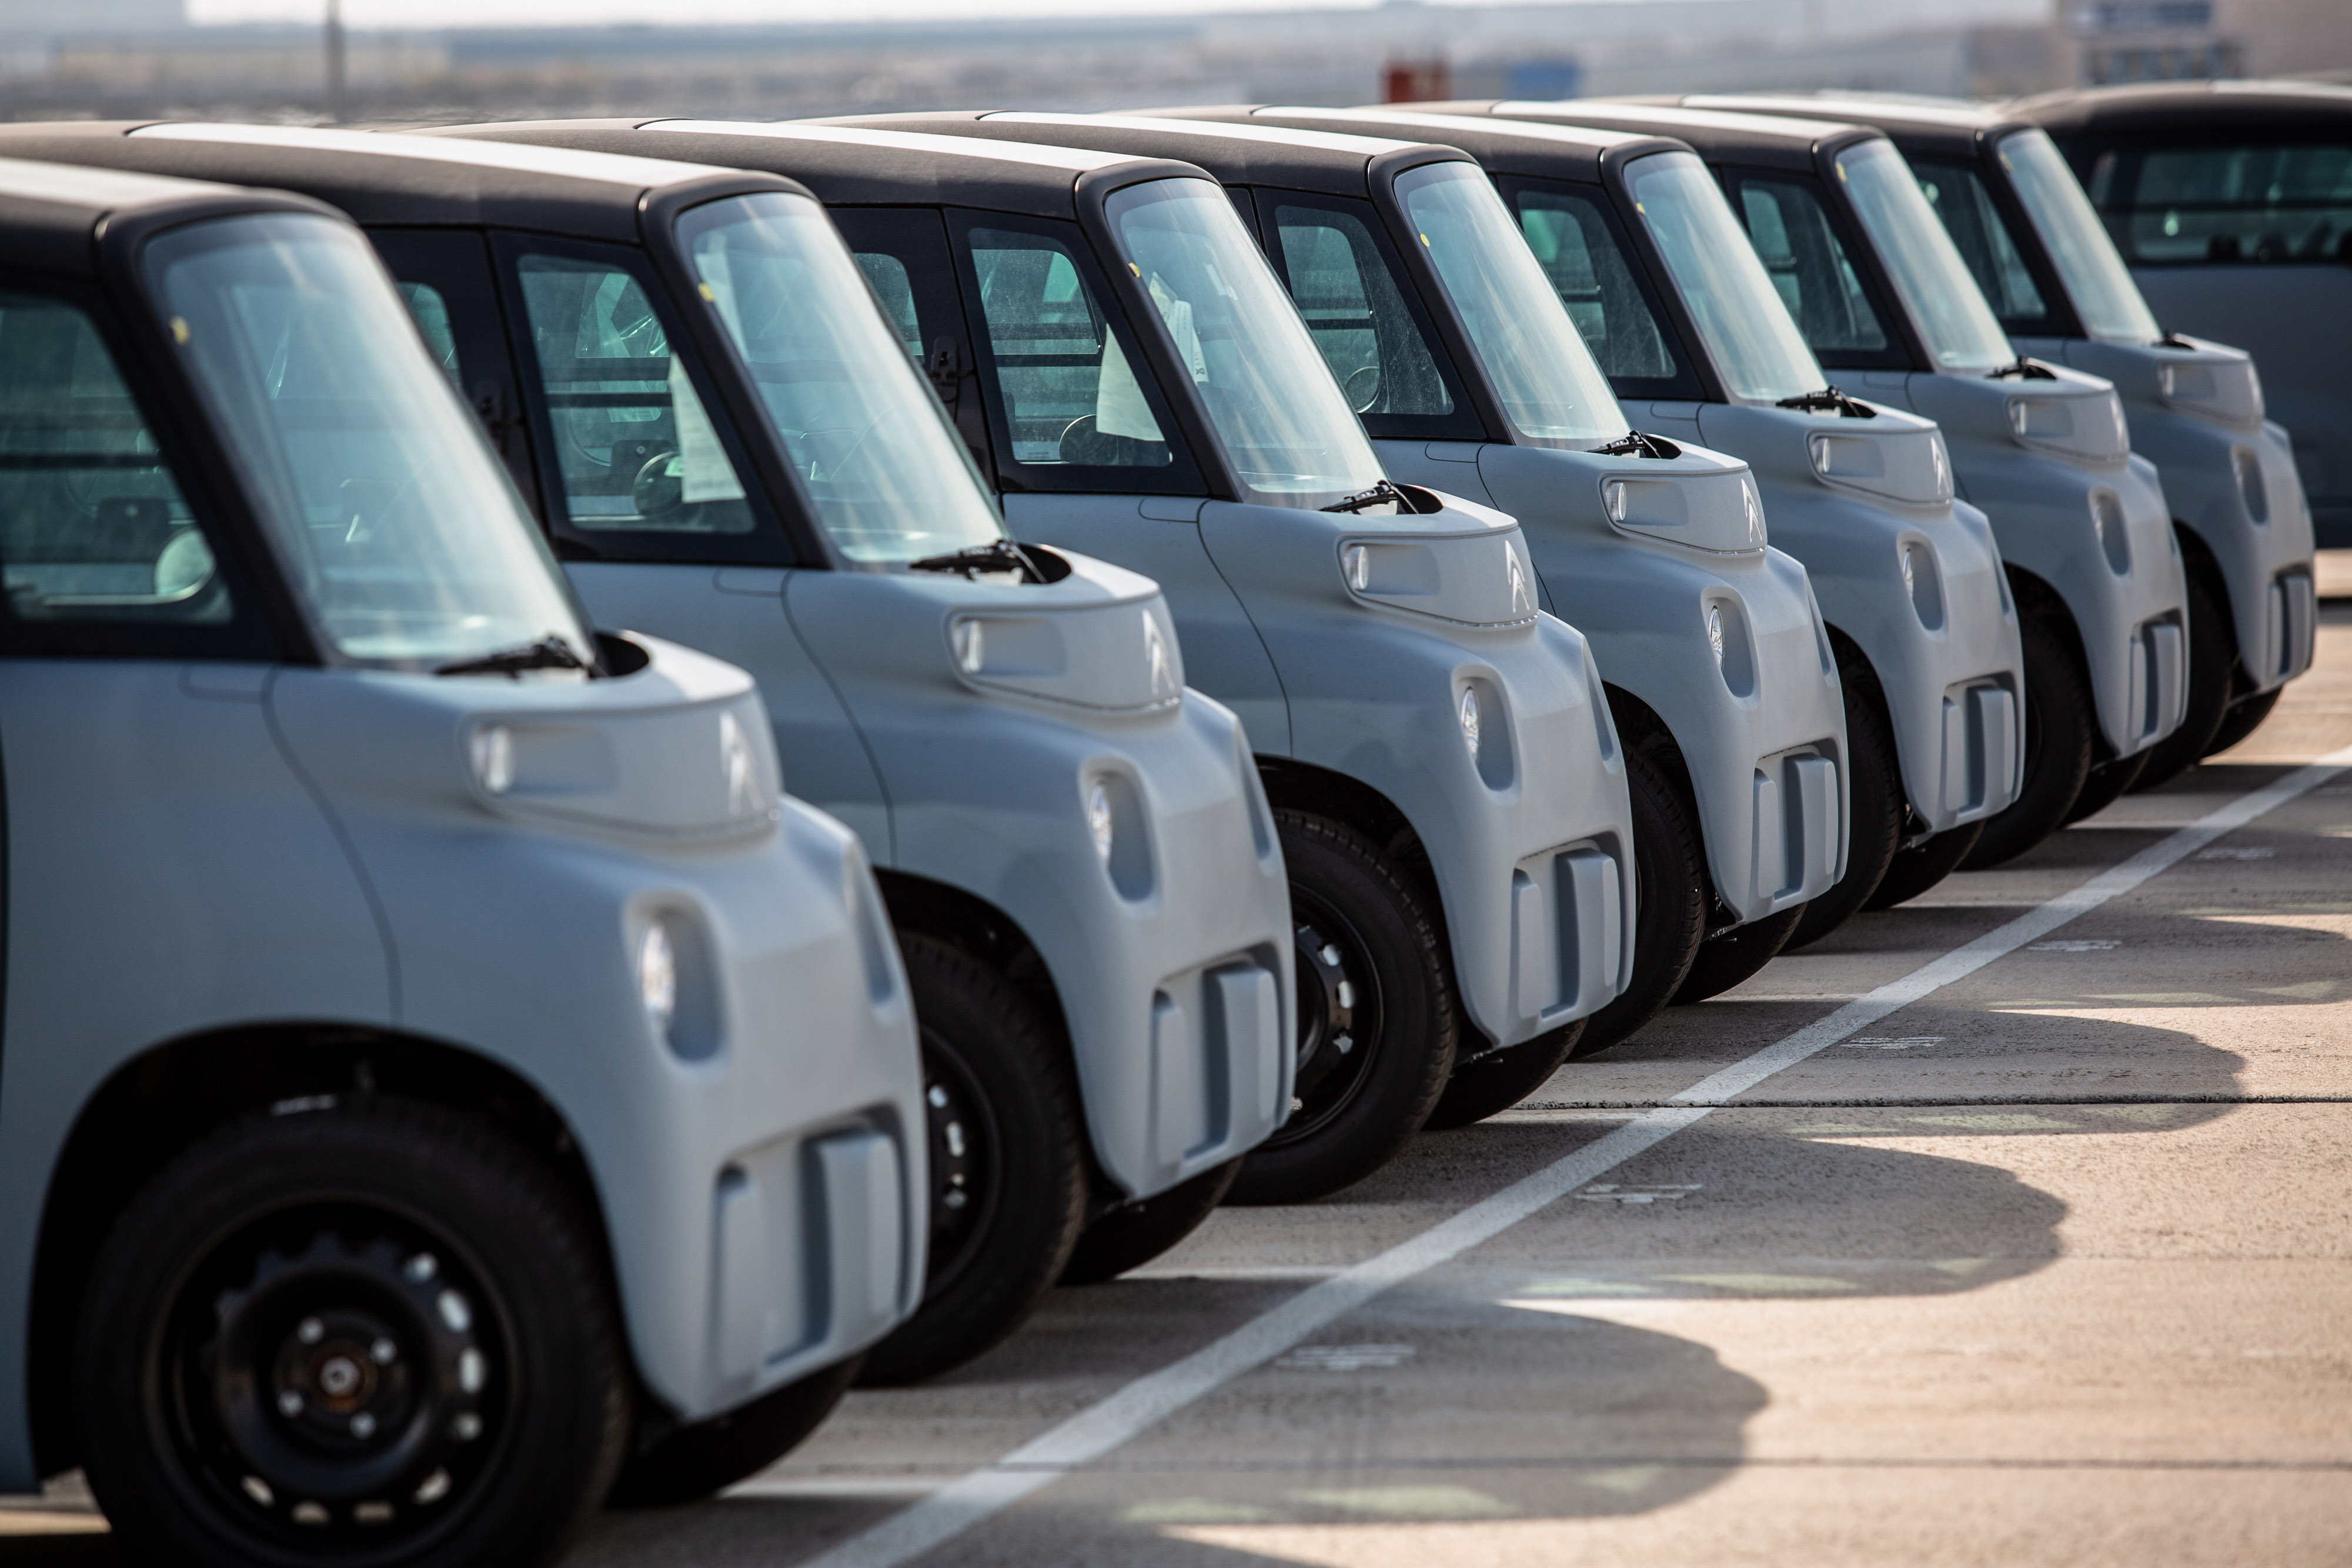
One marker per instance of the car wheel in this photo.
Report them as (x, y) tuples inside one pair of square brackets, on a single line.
[(1007, 1162), (688, 1463), (1877, 805), (1738, 954), (1133, 1234), (1376, 1018), (2242, 719), (2059, 723), (2104, 786), (1914, 870), (1669, 908), (1499, 1080), (375, 1333)]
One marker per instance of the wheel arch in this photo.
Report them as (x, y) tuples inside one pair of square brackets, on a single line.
[(162, 1101), (1294, 786)]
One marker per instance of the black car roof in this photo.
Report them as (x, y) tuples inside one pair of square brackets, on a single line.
[(384, 178), (1952, 129), (2191, 110), (1503, 147), (1235, 154), (51, 212), (859, 166), (1755, 139)]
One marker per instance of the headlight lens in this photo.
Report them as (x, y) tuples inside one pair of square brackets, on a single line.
[(1612, 496), (2251, 486), (2087, 427), (1714, 632), (1360, 568), (493, 754), (657, 976), (1469, 712), (970, 646), (1099, 819)]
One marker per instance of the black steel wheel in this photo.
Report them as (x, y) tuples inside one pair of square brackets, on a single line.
[(1375, 1018), (1007, 1159), (1915, 870), (2104, 785), (367, 1336), (2244, 718), (2060, 721), (1133, 1234), (677, 1463)]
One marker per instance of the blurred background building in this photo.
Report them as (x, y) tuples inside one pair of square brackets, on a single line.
[(141, 58)]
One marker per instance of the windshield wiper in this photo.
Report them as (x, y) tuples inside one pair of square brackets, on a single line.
[(550, 652), (1383, 491), (996, 555), (1635, 443), (1830, 400), (2025, 370)]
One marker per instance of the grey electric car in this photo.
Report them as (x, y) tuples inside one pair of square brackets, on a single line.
[(1885, 302), (443, 1069), (1446, 777), (2061, 293), (1471, 379), (727, 447), (2232, 204), (1654, 269)]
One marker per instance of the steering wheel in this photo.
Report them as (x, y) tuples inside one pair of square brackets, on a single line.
[(1369, 378)]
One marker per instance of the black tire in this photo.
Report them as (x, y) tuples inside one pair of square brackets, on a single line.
[(1916, 869), (1877, 805), (1670, 905), (1499, 1080), (2242, 719), (2107, 784), (1133, 1234), (2060, 721), (2212, 674), (1377, 1024), (375, 1333), (1724, 961), (1008, 1165), (687, 1464)]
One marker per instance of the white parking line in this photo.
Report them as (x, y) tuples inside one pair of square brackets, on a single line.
[(1153, 1398)]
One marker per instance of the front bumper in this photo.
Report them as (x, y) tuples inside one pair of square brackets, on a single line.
[(1762, 733), (761, 1166)]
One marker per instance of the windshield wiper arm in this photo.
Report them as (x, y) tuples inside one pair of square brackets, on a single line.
[(550, 652), (2025, 370), (996, 555), (1635, 443), (1382, 491), (1830, 400)]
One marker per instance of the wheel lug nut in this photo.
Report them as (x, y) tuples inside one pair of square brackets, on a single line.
[(310, 1330), (364, 1426), (1331, 955), (290, 1402), (384, 1353), (466, 1428)]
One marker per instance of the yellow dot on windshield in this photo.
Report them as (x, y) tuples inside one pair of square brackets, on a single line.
[(1135, 269), (708, 293), (1424, 239), (179, 329)]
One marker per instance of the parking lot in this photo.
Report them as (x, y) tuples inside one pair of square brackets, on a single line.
[(2007, 1226)]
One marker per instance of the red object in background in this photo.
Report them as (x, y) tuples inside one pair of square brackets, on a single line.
[(1416, 81)]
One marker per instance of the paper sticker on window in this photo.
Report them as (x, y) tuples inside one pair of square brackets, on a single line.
[(1119, 407), (708, 475)]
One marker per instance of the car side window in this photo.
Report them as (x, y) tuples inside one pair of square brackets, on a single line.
[(1343, 281), (1809, 265), (93, 527), (1580, 252), (1965, 203), (635, 449), (429, 308), (2246, 201)]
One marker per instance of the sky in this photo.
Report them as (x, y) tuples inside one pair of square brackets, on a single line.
[(398, 14)]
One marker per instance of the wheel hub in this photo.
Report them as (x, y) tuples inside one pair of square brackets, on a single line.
[(1339, 1016)]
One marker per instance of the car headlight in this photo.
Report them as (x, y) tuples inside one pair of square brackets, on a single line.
[(657, 976), (2224, 389), (2090, 428), (2257, 493), (1715, 633), (1909, 466), (1469, 713), (1099, 822), (970, 646)]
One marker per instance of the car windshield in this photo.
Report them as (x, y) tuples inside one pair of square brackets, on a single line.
[(889, 478), (1930, 278), (1277, 409), (397, 525), (2100, 286), (1542, 373), (1740, 315)]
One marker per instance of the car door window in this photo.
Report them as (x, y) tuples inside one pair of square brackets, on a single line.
[(1342, 280), (93, 527), (635, 449), (1965, 203), (1809, 265), (1580, 252)]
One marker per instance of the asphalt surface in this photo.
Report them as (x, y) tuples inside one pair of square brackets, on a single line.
[(2052, 1264)]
